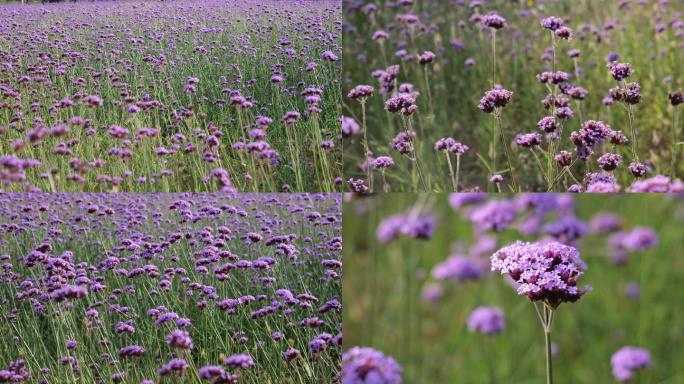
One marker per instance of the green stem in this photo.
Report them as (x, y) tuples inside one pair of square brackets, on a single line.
[(451, 172), (502, 137)]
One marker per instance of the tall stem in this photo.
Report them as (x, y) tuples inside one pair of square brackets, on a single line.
[(635, 145), (494, 56), (429, 92), (451, 172), (502, 137), (458, 169), (549, 369), (365, 144), (548, 319), (673, 145)]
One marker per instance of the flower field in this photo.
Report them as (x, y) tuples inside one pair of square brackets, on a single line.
[(170, 288), (513, 95), (170, 96)]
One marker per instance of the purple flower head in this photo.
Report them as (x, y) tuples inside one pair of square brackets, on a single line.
[(363, 365), (241, 361), (552, 23), (638, 169), (528, 140), (639, 239), (131, 350), (566, 229), (564, 158), (676, 97), (174, 365), (547, 124), (486, 320), (457, 267), (426, 57), (604, 222), (609, 161), (493, 20), (450, 145), (382, 162), (404, 103), (620, 71), (403, 142), (495, 215), (179, 339), (627, 360), (349, 126), (361, 92), (546, 272), (493, 99), (564, 33), (420, 227), (564, 113), (657, 183)]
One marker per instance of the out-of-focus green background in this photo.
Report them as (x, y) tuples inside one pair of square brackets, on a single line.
[(383, 309)]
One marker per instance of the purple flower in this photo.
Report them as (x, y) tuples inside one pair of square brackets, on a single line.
[(450, 145), (628, 359), (676, 97), (361, 92), (486, 320), (363, 365), (564, 158), (566, 229), (457, 267), (620, 71), (528, 140), (241, 361), (548, 124), (609, 161), (639, 239), (404, 103), (546, 272), (426, 57), (174, 365), (493, 20), (552, 23), (131, 350), (658, 183), (349, 126), (495, 215), (493, 99), (179, 339), (382, 162), (403, 142)]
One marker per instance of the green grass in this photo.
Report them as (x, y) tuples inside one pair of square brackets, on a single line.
[(383, 308), (456, 89), (241, 55)]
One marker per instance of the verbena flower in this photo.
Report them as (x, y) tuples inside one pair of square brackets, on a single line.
[(546, 272), (486, 320), (363, 365), (627, 360)]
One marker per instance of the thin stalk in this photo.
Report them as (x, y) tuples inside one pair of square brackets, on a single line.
[(458, 169), (635, 145), (547, 338), (494, 56), (385, 186), (673, 144), (502, 137), (451, 172), (429, 92), (365, 144)]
